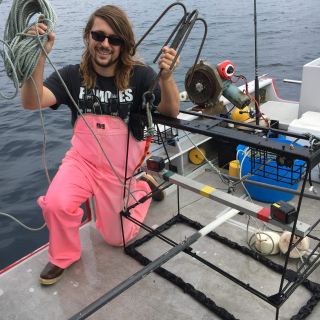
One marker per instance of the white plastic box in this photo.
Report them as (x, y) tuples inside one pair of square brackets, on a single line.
[(309, 122)]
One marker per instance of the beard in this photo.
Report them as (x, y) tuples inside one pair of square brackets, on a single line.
[(107, 63)]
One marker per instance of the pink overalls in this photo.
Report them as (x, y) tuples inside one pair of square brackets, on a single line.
[(85, 172)]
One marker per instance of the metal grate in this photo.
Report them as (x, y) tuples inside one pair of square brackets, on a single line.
[(290, 173), (168, 134)]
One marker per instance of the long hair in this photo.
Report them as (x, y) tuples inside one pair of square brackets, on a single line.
[(120, 24)]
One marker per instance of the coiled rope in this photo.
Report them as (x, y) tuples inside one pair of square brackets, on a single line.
[(22, 52)]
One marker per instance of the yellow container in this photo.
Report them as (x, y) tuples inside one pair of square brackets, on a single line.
[(195, 156), (233, 171)]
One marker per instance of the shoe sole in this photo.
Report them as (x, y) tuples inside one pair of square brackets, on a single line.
[(159, 196), (51, 281)]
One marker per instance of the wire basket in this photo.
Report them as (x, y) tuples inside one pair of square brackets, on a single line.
[(164, 135), (291, 172)]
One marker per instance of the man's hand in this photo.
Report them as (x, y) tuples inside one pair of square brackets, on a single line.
[(170, 100), (42, 30), (29, 98), (166, 61)]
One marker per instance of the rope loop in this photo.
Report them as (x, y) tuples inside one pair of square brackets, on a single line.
[(21, 51), (150, 130)]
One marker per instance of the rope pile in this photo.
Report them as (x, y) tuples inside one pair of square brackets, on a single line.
[(21, 51)]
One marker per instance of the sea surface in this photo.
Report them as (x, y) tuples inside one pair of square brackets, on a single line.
[(288, 38)]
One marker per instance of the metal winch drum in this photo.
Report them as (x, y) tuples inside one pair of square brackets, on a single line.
[(209, 82)]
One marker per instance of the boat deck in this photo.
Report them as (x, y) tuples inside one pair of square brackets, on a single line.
[(102, 267)]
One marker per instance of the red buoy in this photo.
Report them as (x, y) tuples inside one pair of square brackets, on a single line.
[(226, 70)]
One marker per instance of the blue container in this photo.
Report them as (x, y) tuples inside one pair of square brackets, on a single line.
[(269, 195)]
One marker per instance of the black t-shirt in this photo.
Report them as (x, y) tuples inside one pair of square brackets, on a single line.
[(109, 99)]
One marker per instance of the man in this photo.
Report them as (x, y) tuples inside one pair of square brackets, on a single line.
[(107, 85)]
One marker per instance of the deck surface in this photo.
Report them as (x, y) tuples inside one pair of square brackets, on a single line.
[(102, 267)]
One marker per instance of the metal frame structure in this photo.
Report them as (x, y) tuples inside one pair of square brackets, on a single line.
[(214, 129), (187, 288)]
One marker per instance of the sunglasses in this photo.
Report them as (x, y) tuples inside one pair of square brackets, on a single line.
[(114, 41)]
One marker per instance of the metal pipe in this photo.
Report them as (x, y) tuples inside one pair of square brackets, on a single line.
[(256, 82), (161, 16), (96, 305), (292, 81), (273, 187)]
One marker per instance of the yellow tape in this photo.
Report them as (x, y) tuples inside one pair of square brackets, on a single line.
[(276, 205), (206, 191)]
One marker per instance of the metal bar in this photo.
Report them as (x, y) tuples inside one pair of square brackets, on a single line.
[(161, 16), (99, 303), (124, 188), (308, 258), (292, 81), (170, 37), (274, 187), (200, 49), (256, 81), (316, 223), (227, 199), (248, 125), (242, 284), (293, 232), (310, 156), (313, 237), (179, 36), (182, 35), (207, 263), (150, 230), (295, 286)]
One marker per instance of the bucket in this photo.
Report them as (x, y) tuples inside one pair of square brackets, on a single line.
[(264, 194), (233, 168)]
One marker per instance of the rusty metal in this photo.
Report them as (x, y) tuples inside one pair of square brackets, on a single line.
[(215, 109), (204, 86), (161, 16), (181, 32), (201, 46)]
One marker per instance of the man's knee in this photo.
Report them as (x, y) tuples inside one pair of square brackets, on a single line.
[(58, 204)]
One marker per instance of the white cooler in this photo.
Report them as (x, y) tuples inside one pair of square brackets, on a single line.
[(309, 122)]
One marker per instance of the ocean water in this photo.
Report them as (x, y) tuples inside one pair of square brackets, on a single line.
[(288, 38)]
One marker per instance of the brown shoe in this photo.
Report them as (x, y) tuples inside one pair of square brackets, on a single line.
[(51, 274), (153, 184)]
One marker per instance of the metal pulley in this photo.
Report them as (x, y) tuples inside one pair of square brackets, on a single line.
[(209, 82), (205, 86)]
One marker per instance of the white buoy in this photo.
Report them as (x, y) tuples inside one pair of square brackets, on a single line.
[(264, 243), (302, 247)]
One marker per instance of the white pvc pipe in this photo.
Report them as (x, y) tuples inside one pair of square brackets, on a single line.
[(216, 223)]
